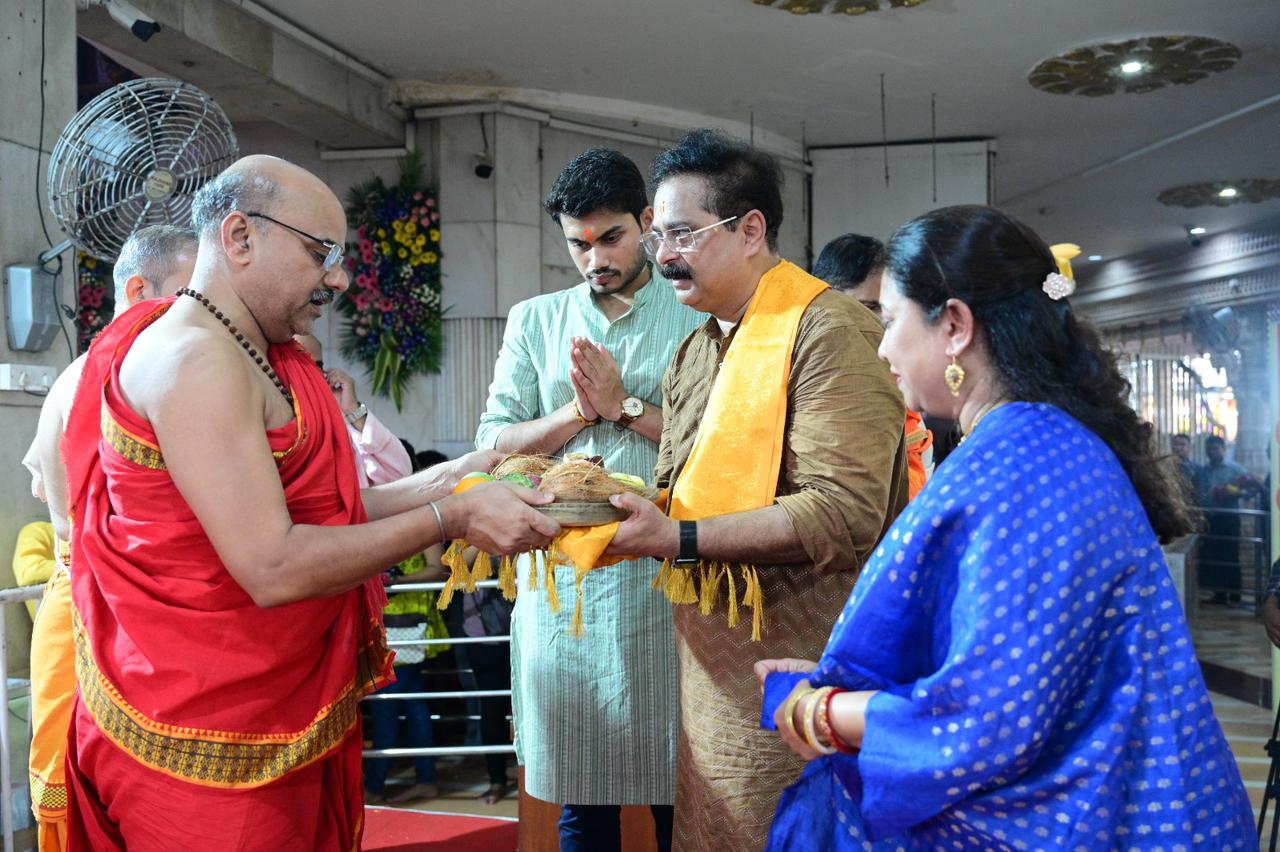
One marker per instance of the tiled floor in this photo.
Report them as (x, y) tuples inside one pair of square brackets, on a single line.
[(1231, 638), (1248, 728), (462, 782)]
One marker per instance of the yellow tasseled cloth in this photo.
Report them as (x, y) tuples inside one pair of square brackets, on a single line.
[(727, 470)]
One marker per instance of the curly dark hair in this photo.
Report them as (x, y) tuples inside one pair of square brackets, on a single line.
[(739, 178), (1042, 351), (597, 179)]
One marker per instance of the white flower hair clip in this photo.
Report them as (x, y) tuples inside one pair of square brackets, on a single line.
[(1058, 285)]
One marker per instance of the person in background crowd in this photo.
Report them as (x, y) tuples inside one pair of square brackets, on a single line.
[(853, 264), (1188, 470), (380, 457), (34, 557), (1013, 670), (1222, 484), (408, 616), (153, 263)]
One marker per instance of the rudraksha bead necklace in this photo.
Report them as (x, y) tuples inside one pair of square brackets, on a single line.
[(240, 338)]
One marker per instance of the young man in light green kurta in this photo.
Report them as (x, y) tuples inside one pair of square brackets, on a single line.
[(581, 371)]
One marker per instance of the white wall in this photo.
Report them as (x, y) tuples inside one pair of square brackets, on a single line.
[(850, 193), (21, 240)]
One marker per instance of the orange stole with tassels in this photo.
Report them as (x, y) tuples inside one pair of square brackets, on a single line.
[(733, 467), (737, 455)]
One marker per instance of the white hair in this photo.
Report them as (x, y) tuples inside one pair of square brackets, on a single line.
[(153, 253)]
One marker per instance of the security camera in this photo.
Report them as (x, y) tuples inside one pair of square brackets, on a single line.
[(128, 16), (482, 165)]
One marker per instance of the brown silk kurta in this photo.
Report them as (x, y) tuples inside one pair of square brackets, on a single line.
[(843, 481)]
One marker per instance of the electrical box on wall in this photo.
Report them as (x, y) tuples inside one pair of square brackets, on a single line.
[(32, 378), (30, 308)]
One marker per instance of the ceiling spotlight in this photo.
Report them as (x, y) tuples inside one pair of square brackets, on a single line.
[(1228, 192), (1132, 67), (1197, 231), (1095, 257)]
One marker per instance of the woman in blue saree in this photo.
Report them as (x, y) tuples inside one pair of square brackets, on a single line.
[(1013, 669)]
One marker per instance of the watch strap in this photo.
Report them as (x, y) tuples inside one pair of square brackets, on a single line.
[(688, 543)]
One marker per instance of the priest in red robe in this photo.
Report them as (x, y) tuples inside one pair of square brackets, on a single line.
[(227, 618)]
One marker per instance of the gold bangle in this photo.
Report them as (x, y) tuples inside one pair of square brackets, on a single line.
[(788, 710), (810, 722)]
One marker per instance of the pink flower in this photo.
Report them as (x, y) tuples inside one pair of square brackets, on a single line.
[(360, 234), (365, 245), (385, 304), (361, 331), (435, 217), (417, 196), (431, 202), (361, 302)]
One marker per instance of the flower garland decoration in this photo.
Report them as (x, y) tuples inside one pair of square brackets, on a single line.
[(393, 307), (95, 291)]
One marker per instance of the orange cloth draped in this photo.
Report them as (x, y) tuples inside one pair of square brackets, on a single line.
[(203, 718), (53, 691), (918, 440)]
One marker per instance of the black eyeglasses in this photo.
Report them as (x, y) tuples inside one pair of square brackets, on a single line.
[(330, 260)]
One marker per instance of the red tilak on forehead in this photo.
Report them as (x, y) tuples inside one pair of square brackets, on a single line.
[(589, 234)]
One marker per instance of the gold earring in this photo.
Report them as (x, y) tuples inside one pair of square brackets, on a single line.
[(953, 376)]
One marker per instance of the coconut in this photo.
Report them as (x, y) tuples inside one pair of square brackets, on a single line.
[(581, 481), (525, 464)]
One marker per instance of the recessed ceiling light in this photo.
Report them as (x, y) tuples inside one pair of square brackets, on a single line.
[(1095, 257), (1132, 67), (1228, 192), (1196, 231)]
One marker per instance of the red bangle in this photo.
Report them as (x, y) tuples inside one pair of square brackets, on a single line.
[(839, 744)]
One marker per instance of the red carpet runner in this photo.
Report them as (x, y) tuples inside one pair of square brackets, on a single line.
[(398, 830)]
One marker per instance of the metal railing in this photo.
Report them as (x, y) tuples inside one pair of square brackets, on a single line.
[(31, 593), (1248, 550), (437, 751)]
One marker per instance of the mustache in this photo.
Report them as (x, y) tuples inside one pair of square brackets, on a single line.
[(672, 271), (604, 270), (321, 296)]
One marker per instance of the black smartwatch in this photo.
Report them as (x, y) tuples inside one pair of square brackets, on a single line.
[(688, 543)]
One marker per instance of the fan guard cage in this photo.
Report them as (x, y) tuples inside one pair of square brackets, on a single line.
[(133, 157)]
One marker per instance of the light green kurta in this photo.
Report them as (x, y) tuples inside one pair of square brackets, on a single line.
[(597, 717)]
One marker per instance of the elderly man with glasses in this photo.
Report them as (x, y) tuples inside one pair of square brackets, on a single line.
[(782, 446), (227, 610)]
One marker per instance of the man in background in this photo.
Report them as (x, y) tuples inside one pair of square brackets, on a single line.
[(1222, 484), (155, 262), (381, 457), (854, 264)]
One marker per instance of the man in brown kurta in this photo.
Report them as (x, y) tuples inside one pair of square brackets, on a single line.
[(842, 482)]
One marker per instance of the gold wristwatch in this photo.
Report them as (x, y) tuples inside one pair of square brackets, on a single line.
[(632, 408)]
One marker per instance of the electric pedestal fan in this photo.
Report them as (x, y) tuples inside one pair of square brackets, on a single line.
[(133, 157)]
